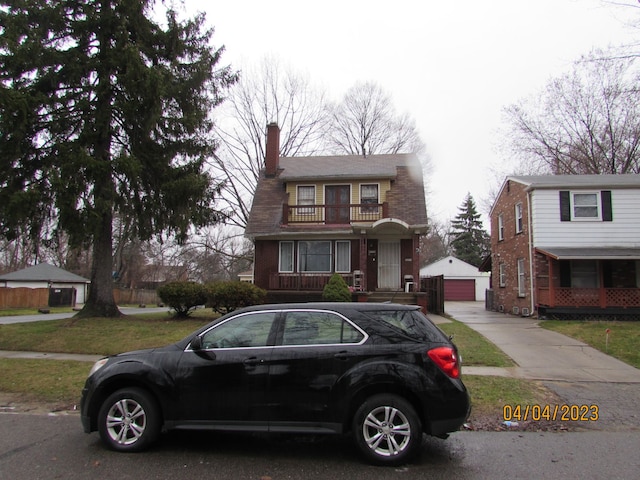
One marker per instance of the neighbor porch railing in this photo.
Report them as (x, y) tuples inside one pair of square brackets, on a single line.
[(589, 297)]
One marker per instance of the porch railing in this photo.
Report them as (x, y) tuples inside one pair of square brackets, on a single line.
[(334, 214), (589, 297), (303, 281)]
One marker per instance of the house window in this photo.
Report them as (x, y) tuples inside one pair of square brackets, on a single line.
[(500, 227), (585, 206), (584, 274), (343, 256), (306, 196), (286, 257), (502, 275), (369, 195), (521, 278), (518, 218), (314, 256)]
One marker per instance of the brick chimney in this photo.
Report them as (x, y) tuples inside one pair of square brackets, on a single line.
[(272, 158)]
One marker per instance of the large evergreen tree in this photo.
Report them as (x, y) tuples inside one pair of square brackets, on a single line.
[(103, 112), (470, 242)]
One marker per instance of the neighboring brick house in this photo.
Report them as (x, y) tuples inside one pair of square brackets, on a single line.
[(567, 245), (361, 217)]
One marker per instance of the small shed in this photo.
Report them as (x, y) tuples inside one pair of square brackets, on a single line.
[(462, 281), (65, 288)]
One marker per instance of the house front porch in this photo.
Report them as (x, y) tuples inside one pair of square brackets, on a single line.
[(588, 283)]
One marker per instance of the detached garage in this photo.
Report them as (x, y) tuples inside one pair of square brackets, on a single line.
[(63, 288), (462, 281)]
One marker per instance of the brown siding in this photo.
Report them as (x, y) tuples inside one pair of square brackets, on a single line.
[(267, 253)]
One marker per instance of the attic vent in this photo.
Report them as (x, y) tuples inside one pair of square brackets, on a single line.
[(525, 312), (516, 310), (501, 308)]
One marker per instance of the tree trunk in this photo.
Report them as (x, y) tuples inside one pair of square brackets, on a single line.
[(100, 302)]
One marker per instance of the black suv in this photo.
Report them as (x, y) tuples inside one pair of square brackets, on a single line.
[(384, 372)]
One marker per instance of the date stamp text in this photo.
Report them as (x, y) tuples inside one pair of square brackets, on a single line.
[(558, 412)]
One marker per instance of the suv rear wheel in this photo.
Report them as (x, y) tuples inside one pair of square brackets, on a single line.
[(387, 430), (129, 420)]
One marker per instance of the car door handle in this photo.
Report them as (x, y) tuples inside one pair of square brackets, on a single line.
[(253, 361), (342, 355)]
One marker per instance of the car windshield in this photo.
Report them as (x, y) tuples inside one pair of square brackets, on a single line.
[(411, 323)]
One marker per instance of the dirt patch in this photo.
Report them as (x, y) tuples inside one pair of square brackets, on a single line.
[(495, 423), (16, 403)]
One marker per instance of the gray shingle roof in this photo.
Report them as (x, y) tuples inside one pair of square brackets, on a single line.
[(578, 181), (43, 272)]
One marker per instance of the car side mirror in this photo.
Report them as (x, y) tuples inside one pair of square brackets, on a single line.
[(196, 343)]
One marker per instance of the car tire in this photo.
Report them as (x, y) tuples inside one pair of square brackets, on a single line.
[(387, 430), (129, 420)]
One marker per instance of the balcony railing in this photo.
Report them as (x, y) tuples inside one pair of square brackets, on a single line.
[(589, 297), (334, 214)]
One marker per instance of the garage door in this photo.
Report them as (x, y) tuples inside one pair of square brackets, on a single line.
[(459, 289)]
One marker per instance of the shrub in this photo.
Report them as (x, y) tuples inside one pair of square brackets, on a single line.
[(183, 297), (336, 290), (224, 297)]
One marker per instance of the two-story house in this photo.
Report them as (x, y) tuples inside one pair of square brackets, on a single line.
[(567, 245), (360, 217)]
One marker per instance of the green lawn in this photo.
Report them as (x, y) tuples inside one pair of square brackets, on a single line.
[(98, 336), (474, 348), (624, 337)]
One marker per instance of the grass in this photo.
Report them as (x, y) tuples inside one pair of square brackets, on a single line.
[(475, 348), (55, 382), (624, 337), (98, 336)]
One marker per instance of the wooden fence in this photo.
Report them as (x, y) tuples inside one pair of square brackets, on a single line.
[(24, 297)]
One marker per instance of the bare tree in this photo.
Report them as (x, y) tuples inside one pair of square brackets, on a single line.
[(365, 123), (587, 121), (436, 243), (270, 93)]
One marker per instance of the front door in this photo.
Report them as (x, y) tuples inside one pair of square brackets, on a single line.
[(337, 203), (389, 265)]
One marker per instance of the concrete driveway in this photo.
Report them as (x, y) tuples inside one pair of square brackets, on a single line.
[(576, 373), (539, 353)]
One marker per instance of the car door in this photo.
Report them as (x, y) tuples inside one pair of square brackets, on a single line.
[(314, 349), (224, 382)]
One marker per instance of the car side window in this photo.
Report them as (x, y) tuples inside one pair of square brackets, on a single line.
[(318, 328), (248, 330)]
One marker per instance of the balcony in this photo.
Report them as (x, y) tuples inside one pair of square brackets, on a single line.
[(334, 214)]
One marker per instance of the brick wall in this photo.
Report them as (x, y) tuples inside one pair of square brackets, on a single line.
[(512, 247)]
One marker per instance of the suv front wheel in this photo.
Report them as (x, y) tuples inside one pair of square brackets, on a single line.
[(129, 420), (387, 430)]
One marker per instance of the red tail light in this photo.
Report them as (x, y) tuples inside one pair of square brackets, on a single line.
[(446, 359)]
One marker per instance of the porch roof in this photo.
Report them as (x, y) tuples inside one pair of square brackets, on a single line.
[(590, 253)]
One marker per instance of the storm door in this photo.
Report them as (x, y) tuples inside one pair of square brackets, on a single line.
[(389, 265)]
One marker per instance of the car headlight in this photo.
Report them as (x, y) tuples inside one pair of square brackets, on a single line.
[(98, 365)]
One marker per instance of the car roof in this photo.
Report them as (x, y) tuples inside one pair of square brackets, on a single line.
[(334, 306)]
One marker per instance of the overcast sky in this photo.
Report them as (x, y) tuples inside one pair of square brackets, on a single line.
[(452, 65)]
